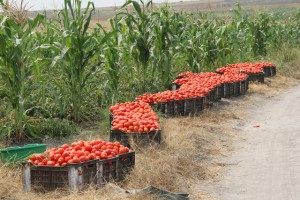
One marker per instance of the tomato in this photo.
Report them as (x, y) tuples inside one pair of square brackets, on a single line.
[(103, 156), (108, 151), (88, 148), (61, 160), (83, 158), (56, 157), (50, 163), (97, 147), (92, 156), (36, 162), (65, 146), (122, 150), (67, 158), (75, 160), (64, 164), (59, 151), (77, 148), (65, 154)]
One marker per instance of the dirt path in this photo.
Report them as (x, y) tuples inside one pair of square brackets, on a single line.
[(266, 166)]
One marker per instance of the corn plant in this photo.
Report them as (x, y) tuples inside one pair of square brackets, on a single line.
[(18, 59), (140, 39), (77, 50)]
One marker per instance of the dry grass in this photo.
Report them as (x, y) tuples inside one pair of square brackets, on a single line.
[(272, 86)]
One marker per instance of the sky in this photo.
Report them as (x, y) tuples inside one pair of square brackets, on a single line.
[(57, 4)]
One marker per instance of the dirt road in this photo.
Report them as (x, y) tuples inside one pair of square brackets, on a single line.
[(266, 165)]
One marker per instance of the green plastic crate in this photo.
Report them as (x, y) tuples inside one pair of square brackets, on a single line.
[(14, 154)]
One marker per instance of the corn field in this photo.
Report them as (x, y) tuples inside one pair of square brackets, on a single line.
[(60, 67)]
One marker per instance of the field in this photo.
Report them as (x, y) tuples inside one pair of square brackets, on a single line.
[(61, 73)]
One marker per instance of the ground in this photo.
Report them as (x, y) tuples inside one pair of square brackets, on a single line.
[(265, 164)]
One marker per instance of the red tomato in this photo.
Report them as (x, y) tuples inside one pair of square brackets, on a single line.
[(65, 146), (122, 150), (61, 160), (50, 163), (83, 158), (103, 156)]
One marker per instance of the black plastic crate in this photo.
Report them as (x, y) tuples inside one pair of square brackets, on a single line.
[(236, 89), (189, 106), (175, 86), (258, 77), (179, 107), (206, 100), (139, 139), (218, 92), (161, 107), (212, 96), (243, 88), (199, 104), (125, 163), (222, 92), (107, 170), (228, 90), (273, 71), (269, 71), (46, 178)]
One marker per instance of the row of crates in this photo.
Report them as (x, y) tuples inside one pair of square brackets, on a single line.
[(78, 176)]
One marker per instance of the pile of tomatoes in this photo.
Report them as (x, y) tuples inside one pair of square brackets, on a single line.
[(192, 86), (233, 76), (134, 117), (208, 78), (252, 68), (78, 152)]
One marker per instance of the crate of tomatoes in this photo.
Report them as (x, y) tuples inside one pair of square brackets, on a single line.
[(74, 167), (134, 123)]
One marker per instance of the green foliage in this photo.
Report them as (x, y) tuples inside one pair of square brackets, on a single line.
[(56, 128), (77, 49), (18, 58)]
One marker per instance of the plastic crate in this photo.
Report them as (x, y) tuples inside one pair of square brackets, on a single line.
[(125, 163), (273, 71), (207, 101), (243, 88), (189, 106), (258, 77), (179, 107), (136, 138), (236, 89), (199, 104), (269, 71), (218, 92), (212, 96), (228, 90), (107, 170), (175, 86), (73, 176), (222, 92), (14, 154)]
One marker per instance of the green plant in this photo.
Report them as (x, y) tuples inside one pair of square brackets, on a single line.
[(18, 58), (77, 49), (56, 128)]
